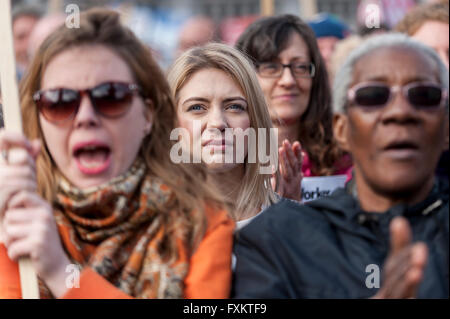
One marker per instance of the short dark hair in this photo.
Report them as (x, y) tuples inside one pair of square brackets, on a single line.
[(262, 41), (365, 31), (1, 117), (2, 124)]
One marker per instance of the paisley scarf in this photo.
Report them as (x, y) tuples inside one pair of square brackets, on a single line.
[(117, 228)]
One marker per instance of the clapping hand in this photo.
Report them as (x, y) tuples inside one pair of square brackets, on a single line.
[(290, 165)]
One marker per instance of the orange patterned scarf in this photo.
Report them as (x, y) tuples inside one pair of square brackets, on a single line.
[(116, 230)]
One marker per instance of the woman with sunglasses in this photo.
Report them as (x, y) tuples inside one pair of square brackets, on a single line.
[(293, 77), (98, 189), (386, 234), (215, 88)]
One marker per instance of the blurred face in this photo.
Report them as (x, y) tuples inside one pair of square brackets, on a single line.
[(42, 30), (396, 147), (435, 34), (326, 47), (90, 149), (288, 96), (213, 100), (22, 28), (196, 32)]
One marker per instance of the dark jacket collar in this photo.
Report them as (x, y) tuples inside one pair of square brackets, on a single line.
[(342, 207)]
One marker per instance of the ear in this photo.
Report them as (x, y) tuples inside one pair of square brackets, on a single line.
[(148, 114), (340, 131)]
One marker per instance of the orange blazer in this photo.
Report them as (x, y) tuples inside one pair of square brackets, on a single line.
[(209, 271)]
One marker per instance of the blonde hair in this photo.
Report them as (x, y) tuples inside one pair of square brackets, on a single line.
[(255, 190), (415, 18), (102, 27)]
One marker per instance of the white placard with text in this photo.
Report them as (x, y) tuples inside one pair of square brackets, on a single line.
[(320, 186)]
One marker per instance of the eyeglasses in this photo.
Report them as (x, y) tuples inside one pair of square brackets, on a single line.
[(275, 69), (110, 99), (376, 94)]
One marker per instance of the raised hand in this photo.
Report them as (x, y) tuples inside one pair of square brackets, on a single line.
[(16, 173), (404, 267), (27, 225), (290, 165)]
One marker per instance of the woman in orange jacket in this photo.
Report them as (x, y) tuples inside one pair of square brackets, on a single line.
[(97, 188)]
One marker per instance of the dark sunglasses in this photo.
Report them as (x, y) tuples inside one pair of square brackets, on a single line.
[(110, 99), (420, 95)]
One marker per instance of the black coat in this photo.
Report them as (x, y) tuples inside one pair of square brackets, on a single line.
[(321, 249)]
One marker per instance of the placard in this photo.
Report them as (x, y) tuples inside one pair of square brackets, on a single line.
[(320, 186)]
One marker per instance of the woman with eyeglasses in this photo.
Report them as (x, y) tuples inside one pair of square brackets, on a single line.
[(97, 189), (385, 235), (294, 80)]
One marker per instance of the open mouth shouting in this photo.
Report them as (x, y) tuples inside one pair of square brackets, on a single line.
[(92, 157)]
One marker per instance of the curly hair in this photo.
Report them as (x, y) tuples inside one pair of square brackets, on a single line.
[(418, 16)]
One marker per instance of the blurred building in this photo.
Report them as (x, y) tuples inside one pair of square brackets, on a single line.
[(158, 22), (220, 9)]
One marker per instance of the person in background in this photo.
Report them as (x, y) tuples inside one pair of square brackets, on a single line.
[(196, 31), (385, 235), (341, 52), (294, 80), (429, 24), (24, 19), (329, 30), (216, 86), (96, 187), (43, 28), (346, 46), (365, 31)]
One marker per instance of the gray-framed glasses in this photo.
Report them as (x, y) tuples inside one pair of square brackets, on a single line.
[(275, 69)]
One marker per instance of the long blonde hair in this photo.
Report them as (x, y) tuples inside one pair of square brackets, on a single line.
[(102, 27), (255, 190)]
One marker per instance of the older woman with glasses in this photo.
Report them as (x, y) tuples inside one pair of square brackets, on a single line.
[(294, 80), (386, 234), (97, 189)]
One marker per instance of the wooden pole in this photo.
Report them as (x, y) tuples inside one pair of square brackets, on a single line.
[(13, 122), (267, 7), (308, 8), (55, 6)]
